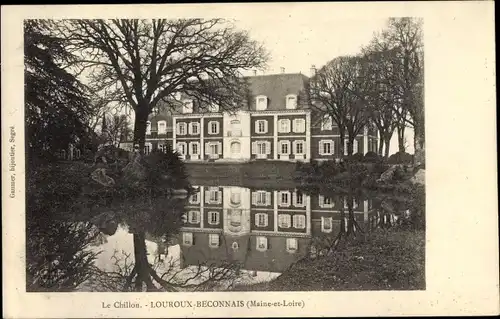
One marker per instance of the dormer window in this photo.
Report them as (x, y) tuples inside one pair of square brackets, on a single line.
[(326, 123), (162, 127), (261, 103), (291, 101), (214, 107), (187, 107)]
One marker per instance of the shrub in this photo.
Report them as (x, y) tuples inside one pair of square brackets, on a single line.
[(372, 157), (358, 157), (400, 158)]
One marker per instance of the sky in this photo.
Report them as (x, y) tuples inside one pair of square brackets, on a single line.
[(296, 44)]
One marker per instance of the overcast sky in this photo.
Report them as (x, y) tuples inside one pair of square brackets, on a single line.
[(296, 43)]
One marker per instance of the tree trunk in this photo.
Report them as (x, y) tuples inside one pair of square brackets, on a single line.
[(401, 139), (387, 141), (350, 143), (141, 118), (419, 144), (341, 145), (141, 261), (380, 146)]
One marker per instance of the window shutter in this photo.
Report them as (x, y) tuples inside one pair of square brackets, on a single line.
[(207, 148), (256, 220), (190, 128), (265, 126), (254, 198), (207, 196), (268, 198), (256, 126), (254, 147), (266, 217), (219, 197), (321, 148), (355, 147), (219, 148), (280, 220), (332, 147), (268, 147)]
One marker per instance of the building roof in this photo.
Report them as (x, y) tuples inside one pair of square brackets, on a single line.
[(274, 259), (276, 87)]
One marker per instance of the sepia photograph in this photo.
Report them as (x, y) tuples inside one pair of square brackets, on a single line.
[(168, 155), (249, 159)]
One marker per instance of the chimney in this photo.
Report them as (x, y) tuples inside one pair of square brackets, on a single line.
[(255, 72), (282, 70), (313, 70)]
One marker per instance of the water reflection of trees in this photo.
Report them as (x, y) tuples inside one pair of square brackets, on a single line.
[(400, 205), (68, 213)]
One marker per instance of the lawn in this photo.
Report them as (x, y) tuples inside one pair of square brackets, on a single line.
[(386, 260)]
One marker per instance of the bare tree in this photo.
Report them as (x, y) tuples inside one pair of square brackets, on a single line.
[(140, 63), (334, 92), (117, 130), (380, 95), (403, 36)]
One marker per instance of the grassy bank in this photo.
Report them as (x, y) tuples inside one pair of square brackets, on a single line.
[(386, 260)]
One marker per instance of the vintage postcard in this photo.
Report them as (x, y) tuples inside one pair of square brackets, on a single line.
[(249, 160)]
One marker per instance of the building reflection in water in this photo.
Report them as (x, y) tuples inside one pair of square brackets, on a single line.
[(262, 230)]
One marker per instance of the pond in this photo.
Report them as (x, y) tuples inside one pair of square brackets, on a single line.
[(230, 235)]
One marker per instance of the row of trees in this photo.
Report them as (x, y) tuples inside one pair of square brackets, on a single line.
[(382, 86)]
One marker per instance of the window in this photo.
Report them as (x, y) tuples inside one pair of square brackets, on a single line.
[(284, 198), (325, 202), (214, 107), (213, 240), (213, 196), (284, 220), (235, 147), (235, 128), (284, 126), (284, 147), (213, 127), (354, 203), (326, 147), (299, 147), (181, 128), (187, 239), (213, 218), (326, 123), (261, 198), (326, 224), (213, 149), (291, 245), (162, 127), (235, 217), (195, 148), (261, 148), (299, 126), (354, 146), (261, 243), (194, 128), (298, 199), (194, 217), (261, 103), (194, 199), (181, 148), (148, 128), (187, 107), (235, 198), (147, 149), (291, 101), (261, 220), (299, 221), (261, 126)]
